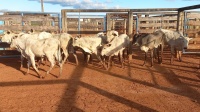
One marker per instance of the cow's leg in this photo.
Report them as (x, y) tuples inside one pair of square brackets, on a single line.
[(161, 53), (145, 58), (172, 55), (124, 53), (66, 55), (88, 58), (40, 60), (61, 68), (99, 58), (180, 55), (52, 63), (60, 62), (112, 60), (121, 60), (84, 55), (28, 66), (151, 55), (22, 60), (75, 56), (158, 53), (32, 58), (109, 61)]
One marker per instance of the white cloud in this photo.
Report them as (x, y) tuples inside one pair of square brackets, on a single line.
[(82, 4)]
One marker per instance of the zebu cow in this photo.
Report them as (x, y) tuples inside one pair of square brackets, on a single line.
[(90, 45), (150, 42), (39, 36), (31, 48), (176, 40), (115, 47), (110, 35), (66, 45), (7, 36)]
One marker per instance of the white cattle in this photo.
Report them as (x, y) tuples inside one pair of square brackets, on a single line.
[(7, 36), (39, 36), (90, 45), (110, 35), (66, 45), (115, 47), (150, 42), (176, 40), (31, 48)]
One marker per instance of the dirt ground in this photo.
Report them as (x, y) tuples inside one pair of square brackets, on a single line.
[(90, 88)]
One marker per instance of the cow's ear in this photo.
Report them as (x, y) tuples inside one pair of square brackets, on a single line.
[(109, 45), (190, 38), (14, 37), (32, 30), (7, 32), (114, 34), (79, 36)]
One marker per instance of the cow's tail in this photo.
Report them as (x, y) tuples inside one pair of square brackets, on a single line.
[(59, 58)]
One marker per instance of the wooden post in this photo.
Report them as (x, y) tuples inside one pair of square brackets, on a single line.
[(147, 22), (138, 23), (108, 21), (130, 33), (42, 6), (113, 24), (64, 21), (180, 21), (124, 26)]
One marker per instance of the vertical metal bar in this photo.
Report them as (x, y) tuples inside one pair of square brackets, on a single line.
[(162, 21), (22, 22), (59, 22), (137, 23), (42, 6), (104, 24), (79, 23), (185, 23)]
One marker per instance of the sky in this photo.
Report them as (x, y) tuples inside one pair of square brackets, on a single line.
[(58, 5)]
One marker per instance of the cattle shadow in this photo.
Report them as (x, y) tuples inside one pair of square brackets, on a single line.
[(73, 83), (170, 76), (67, 102)]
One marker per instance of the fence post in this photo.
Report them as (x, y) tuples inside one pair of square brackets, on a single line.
[(130, 33), (124, 26), (64, 21), (180, 22), (108, 21)]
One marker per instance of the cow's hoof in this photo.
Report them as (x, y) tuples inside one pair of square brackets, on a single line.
[(41, 77), (58, 76)]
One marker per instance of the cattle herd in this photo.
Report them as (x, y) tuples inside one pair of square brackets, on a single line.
[(105, 45)]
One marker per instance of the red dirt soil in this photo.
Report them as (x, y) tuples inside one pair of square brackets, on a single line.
[(90, 88)]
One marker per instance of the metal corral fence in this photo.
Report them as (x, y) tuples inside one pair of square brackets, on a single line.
[(25, 21), (127, 21)]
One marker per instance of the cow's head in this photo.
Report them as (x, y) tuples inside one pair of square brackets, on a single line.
[(77, 41), (7, 36), (111, 35), (185, 42), (14, 41), (106, 49), (100, 34), (137, 38)]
